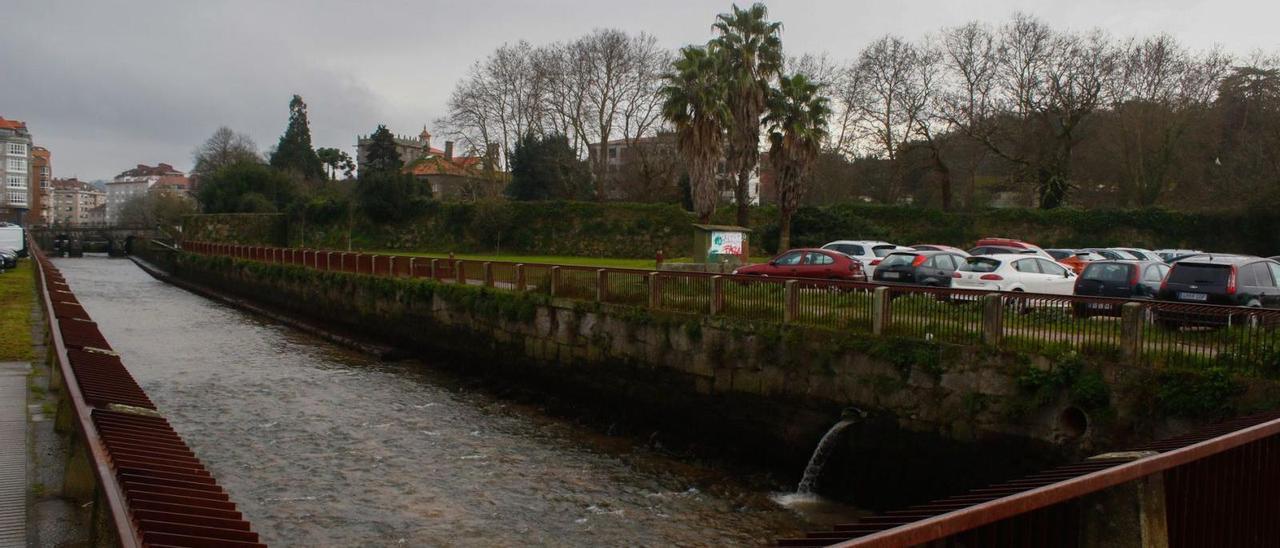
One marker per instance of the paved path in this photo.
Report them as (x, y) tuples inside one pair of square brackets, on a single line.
[(13, 454)]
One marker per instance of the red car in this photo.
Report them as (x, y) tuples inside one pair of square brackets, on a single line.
[(809, 263)]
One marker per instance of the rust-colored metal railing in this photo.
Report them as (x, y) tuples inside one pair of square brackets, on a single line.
[(1216, 487), (1146, 331), (152, 490)]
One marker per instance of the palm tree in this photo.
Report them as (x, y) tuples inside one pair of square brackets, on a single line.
[(694, 102), (752, 50), (797, 121)]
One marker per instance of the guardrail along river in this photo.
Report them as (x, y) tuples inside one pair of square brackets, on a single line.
[(326, 447)]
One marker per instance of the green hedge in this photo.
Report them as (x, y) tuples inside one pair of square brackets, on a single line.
[(638, 230)]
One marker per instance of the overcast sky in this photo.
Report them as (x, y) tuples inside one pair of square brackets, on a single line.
[(109, 84)]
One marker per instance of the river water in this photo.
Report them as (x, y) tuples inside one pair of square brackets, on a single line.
[(321, 446)]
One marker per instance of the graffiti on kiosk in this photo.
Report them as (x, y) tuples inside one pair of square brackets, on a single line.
[(726, 243)]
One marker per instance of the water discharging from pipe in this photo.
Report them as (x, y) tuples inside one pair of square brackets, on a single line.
[(819, 458)]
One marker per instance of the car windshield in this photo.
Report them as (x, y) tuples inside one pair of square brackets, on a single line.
[(980, 264), (847, 249), (1108, 272), (883, 250), (1200, 274), (1059, 254), (898, 259)]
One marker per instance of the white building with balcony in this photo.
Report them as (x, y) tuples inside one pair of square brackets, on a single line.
[(15, 170)]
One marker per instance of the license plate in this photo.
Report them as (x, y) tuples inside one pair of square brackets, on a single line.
[(1099, 306), (1193, 296), (891, 275)]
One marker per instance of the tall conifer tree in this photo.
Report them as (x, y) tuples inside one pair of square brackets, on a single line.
[(294, 153)]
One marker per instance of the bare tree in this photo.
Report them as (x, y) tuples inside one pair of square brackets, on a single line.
[(889, 100), (1160, 91), (223, 148)]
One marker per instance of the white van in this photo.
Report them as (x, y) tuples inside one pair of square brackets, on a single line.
[(13, 237)]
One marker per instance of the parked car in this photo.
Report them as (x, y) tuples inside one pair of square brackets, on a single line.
[(932, 268), (869, 252), (1123, 279), (8, 259), (809, 263), (1010, 242), (1074, 259), (1014, 272), (1000, 250), (1234, 280), (1171, 255), (13, 237), (1141, 254), (1113, 254), (940, 247)]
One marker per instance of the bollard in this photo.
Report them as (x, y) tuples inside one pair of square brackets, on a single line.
[(435, 269), (413, 267), (602, 285), (791, 306), (717, 295), (880, 311), (992, 319)]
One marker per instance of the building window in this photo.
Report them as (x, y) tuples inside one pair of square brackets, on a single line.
[(17, 198), (17, 181), (17, 149), (613, 152), (17, 164)]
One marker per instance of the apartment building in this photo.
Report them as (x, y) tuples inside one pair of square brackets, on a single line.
[(41, 179), (71, 202), (15, 171), (138, 182)]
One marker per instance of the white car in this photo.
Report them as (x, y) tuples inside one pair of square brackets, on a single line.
[(868, 252), (1008, 272)]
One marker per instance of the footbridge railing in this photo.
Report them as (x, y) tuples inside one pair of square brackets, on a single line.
[(1139, 331), (146, 485)]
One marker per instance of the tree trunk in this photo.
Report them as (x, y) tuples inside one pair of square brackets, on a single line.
[(944, 178), (784, 232), (742, 196)]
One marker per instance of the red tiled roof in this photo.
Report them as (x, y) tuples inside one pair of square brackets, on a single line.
[(72, 184), (12, 124), (438, 165)]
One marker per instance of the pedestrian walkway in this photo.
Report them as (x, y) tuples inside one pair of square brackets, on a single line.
[(13, 454)]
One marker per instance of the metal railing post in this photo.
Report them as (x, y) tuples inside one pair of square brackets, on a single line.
[(717, 295), (555, 281), (488, 274), (520, 283), (1131, 330), (413, 263), (992, 319), (602, 285), (881, 313), (791, 301), (655, 290), (435, 269), (460, 272)]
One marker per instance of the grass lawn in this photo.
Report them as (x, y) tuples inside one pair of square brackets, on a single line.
[(554, 259), (17, 295)]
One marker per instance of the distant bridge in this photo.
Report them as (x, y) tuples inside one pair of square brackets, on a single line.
[(74, 240)]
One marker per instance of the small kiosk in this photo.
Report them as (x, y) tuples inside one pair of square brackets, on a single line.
[(721, 247)]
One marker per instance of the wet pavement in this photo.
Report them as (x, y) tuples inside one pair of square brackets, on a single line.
[(325, 447)]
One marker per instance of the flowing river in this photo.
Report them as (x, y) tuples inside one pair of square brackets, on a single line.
[(321, 446)]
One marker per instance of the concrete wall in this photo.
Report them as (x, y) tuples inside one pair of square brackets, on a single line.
[(941, 417)]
